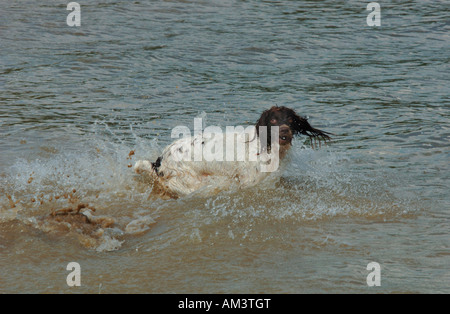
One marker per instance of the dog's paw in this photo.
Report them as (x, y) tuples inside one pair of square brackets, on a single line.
[(143, 166)]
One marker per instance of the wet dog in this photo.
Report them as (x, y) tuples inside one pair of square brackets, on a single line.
[(195, 162)]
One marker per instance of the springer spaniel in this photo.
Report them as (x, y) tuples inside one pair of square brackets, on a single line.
[(195, 162)]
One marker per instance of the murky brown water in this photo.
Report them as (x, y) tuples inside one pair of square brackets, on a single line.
[(78, 106)]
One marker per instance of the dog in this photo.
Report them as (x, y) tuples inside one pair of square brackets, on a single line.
[(196, 162)]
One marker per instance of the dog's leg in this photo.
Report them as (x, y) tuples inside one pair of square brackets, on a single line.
[(143, 166)]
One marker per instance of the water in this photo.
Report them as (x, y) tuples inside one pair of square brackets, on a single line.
[(75, 102)]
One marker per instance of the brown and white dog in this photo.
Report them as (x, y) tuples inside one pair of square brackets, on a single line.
[(181, 169)]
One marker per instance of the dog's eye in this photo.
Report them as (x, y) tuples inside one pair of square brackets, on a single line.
[(273, 121)]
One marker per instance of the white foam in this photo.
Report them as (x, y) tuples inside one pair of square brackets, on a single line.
[(108, 244), (139, 225)]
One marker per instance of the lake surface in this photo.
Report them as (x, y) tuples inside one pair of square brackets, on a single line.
[(80, 105)]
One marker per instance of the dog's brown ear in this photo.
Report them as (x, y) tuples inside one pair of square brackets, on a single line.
[(300, 125), (264, 120)]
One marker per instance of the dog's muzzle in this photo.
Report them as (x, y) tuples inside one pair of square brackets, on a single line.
[(285, 135)]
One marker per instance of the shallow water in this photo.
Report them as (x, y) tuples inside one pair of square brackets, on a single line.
[(76, 102)]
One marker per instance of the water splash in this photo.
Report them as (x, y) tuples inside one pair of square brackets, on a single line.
[(34, 188), (314, 185)]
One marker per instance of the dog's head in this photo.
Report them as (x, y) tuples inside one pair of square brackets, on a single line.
[(289, 124)]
